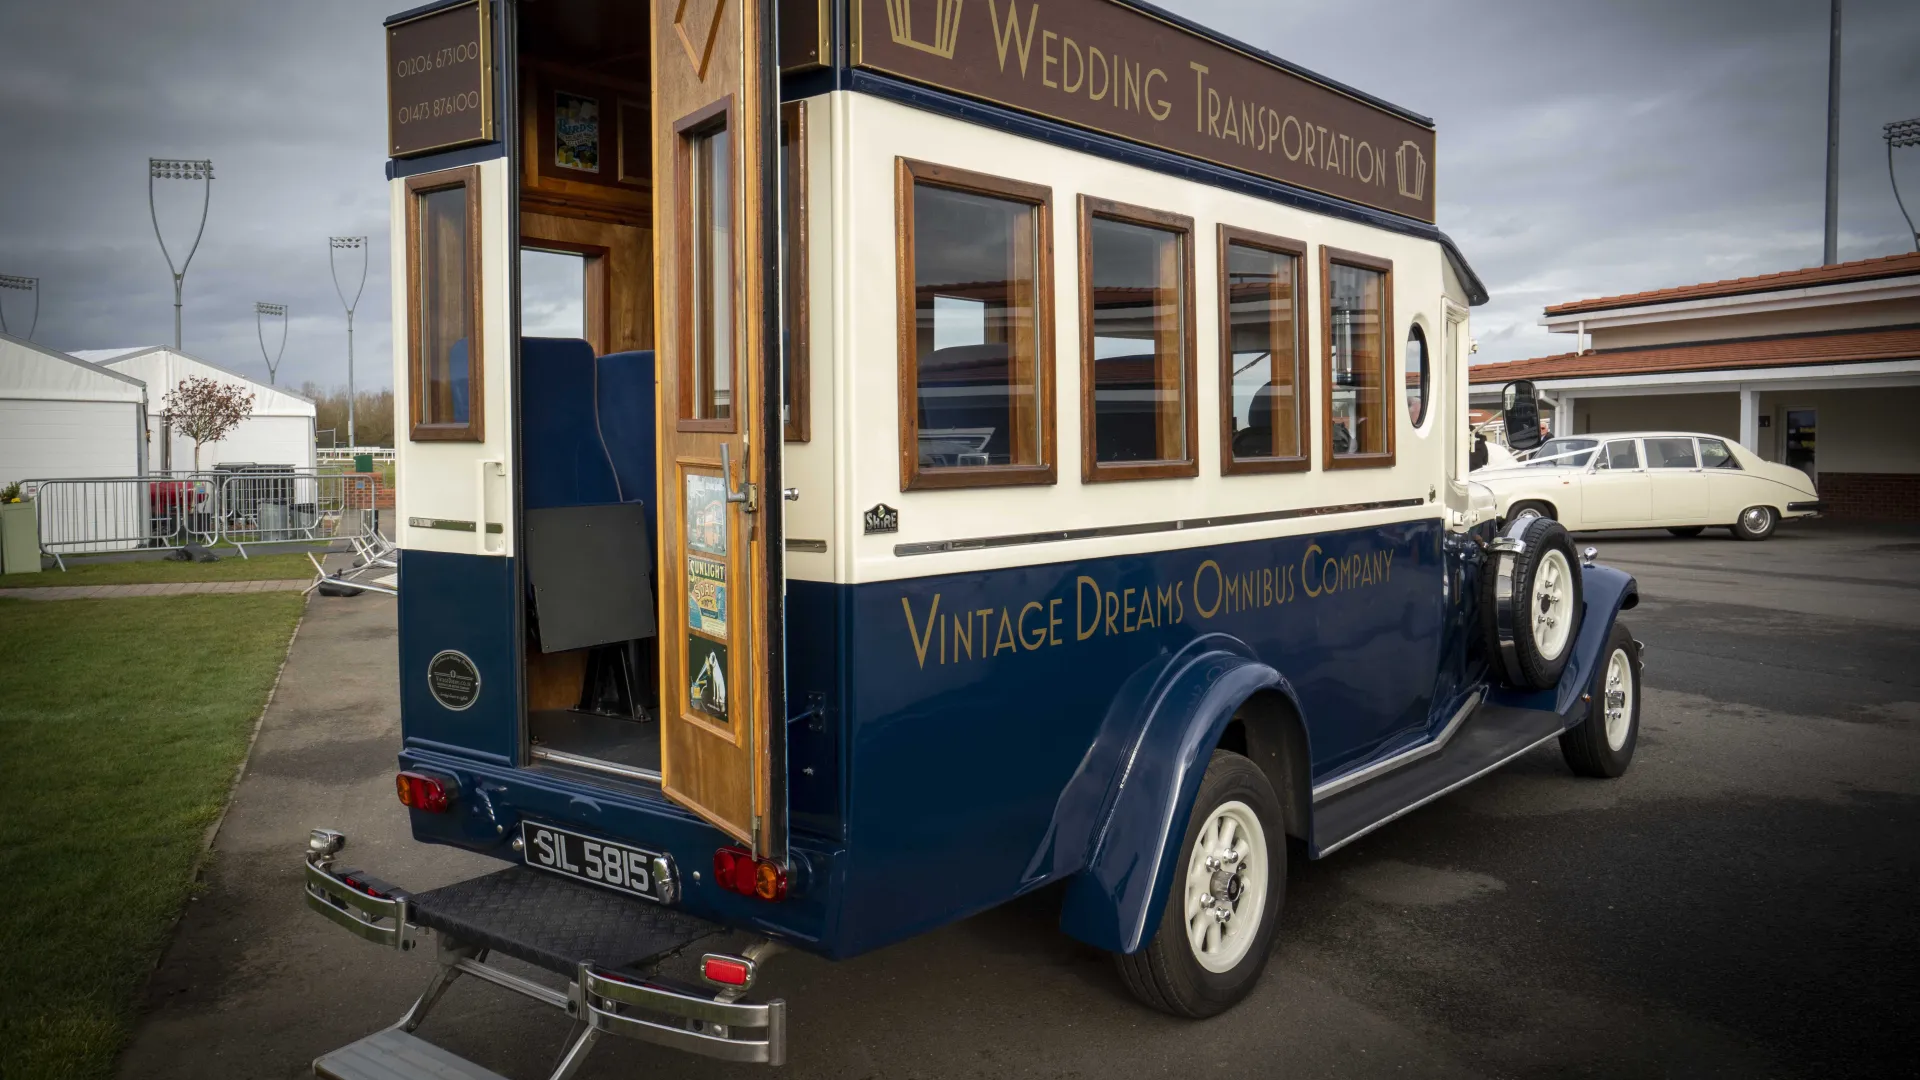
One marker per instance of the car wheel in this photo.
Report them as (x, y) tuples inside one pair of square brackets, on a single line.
[(1688, 530), (1755, 523), (1531, 601), (1602, 744), (1528, 506), (1223, 904)]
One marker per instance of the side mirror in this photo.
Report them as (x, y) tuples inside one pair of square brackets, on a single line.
[(1520, 414)]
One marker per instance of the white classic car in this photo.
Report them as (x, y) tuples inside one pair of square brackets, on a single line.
[(1677, 480)]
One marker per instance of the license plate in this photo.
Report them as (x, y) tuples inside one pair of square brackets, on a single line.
[(609, 865)]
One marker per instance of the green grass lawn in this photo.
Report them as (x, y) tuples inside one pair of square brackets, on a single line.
[(121, 724), (231, 567)]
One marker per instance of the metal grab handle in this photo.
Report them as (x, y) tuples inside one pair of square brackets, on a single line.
[(746, 493)]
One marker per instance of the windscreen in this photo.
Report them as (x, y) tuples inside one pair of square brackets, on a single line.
[(1563, 454)]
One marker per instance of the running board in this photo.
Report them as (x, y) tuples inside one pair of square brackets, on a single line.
[(396, 1055), (1492, 736)]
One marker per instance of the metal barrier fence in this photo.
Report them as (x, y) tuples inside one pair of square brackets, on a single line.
[(94, 515)]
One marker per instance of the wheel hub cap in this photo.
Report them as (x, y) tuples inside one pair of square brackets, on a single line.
[(1552, 603), (1617, 706), (1226, 886)]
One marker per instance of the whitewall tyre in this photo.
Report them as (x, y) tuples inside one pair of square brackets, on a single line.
[(1223, 904), (1602, 745), (1755, 523)]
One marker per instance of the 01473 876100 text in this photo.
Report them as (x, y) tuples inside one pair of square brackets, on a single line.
[(1093, 609)]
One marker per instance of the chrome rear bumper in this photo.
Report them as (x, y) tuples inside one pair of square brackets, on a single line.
[(692, 1019)]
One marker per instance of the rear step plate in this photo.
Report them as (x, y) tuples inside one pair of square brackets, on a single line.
[(557, 924), (395, 1055)]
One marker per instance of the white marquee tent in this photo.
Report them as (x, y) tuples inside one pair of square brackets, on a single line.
[(279, 432), (63, 417)]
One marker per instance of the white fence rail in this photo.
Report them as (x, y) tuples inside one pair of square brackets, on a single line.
[(245, 509)]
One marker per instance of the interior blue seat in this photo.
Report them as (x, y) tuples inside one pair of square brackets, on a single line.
[(627, 423), (564, 464)]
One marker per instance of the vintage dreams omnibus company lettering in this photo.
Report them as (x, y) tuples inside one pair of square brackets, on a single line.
[(1096, 610)]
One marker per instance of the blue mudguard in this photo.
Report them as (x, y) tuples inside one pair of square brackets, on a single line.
[(1116, 900)]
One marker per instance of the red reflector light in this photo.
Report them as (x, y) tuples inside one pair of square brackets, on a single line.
[(725, 971), (421, 792), (736, 870)]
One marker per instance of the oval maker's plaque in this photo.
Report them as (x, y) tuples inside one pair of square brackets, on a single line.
[(453, 680)]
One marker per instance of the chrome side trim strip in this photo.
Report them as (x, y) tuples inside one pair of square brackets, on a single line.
[(977, 543), (1449, 789), (795, 543), (561, 757), (451, 524), (1406, 757)]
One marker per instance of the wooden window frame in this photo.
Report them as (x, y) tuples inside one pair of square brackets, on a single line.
[(799, 343), (1230, 465), (597, 289), (1330, 257), (907, 174), (474, 430), (1093, 471), (685, 130)]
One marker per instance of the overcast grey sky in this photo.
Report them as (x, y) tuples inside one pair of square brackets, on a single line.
[(1584, 149)]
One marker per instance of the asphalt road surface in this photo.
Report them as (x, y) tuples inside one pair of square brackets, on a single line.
[(1742, 903)]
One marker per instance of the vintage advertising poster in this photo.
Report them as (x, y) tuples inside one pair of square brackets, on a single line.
[(707, 595), (706, 514), (707, 677), (576, 132)]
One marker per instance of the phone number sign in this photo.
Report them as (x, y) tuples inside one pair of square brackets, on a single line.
[(440, 80)]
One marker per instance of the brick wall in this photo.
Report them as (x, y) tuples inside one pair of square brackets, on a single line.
[(1865, 496)]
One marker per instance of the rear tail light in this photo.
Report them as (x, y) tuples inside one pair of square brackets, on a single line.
[(726, 970), (422, 791), (736, 870)]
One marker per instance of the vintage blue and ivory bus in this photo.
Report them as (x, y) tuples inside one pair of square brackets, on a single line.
[(863, 461)]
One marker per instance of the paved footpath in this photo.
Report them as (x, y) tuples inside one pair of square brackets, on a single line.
[(175, 588)]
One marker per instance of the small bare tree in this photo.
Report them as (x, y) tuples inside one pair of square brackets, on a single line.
[(206, 410)]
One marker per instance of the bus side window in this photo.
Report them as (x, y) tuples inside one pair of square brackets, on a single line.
[(1356, 310), (443, 296), (1136, 343), (1264, 422), (975, 330)]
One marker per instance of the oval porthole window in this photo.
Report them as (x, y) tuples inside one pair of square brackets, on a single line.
[(1417, 376)]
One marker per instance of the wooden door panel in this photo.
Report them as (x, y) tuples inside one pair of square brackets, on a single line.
[(710, 157)]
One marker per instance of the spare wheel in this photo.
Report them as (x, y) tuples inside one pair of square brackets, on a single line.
[(1531, 602)]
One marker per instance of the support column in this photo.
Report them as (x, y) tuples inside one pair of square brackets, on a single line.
[(1750, 419), (1563, 416)]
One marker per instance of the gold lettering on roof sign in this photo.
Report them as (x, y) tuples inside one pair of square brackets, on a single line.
[(1124, 72)]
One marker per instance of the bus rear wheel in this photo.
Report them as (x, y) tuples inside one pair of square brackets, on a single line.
[(1223, 905)]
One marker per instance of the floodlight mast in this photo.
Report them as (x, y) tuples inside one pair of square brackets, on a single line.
[(176, 169), (278, 311), (337, 244), (22, 284), (1902, 133)]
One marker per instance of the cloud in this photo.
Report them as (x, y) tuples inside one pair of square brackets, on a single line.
[(1584, 149)]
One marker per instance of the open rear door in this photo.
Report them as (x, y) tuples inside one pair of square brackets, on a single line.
[(715, 211)]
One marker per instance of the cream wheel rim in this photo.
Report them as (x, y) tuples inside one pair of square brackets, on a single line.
[(1618, 705), (1226, 889), (1552, 606)]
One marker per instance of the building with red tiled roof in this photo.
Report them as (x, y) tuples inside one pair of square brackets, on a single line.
[(1768, 360)]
